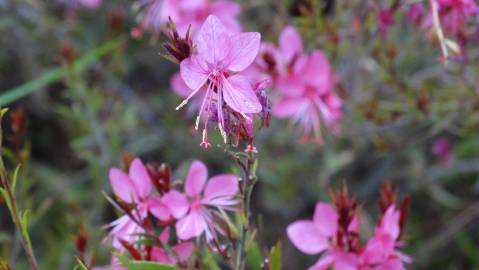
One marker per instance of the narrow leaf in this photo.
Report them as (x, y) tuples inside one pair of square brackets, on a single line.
[(143, 265), (275, 257)]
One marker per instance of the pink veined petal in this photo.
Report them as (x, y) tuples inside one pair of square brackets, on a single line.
[(243, 50), (122, 186), (239, 95), (176, 203), (391, 264), (194, 72), (179, 86), (165, 235), (323, 263), (213, 41), (184, 250), (191, 225), (287, 107), (140, 178), (306, 237), (158, 209), (290, 43), (196, 178), (223, 187), (325, 219)]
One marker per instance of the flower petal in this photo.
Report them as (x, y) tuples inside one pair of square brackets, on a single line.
[(287, 107), (318, 72), (305, 236), (122, 186), (179, 86), (183, 250), (176, 203), (221, 187), (196, 178), (325, 219), (323, 263), (159, 209), (194, 72), (244, 49), (140, 178), (192, 225), (165, 235), (390, 223), (239, 95), (213, 41), (290, 43)]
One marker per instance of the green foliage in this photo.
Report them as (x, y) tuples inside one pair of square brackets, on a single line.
[(143, 265), (275, 257)]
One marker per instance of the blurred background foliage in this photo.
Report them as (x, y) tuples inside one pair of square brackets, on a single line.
[(88, 92)]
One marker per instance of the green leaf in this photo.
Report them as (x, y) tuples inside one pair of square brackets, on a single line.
[(56, 74), (254, 257), (3, 111), (210, 262), (15, 177), (143, 265), (24, 220), (80, 265), (275, 257), (7, 199)]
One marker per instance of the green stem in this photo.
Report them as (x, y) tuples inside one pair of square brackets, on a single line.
[(247, 189), (12, 203)]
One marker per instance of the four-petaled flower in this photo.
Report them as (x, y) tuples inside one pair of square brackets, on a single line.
[(220, 54), (192, 209)]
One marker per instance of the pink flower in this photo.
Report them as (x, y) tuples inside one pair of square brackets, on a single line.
[(134, 188), (307, 96), (415, 13), (182, 250), (385, 20), (220, 54), (317, 235), (454, 15), (192, 209), (442, 149), (186, 12), (380, 250)]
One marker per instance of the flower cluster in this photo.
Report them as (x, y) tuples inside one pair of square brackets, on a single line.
[(211, 76), (334, 232), (304, 84), (190, 214), (186, 13)]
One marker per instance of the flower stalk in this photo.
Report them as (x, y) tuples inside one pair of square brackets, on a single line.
[(247, 187), (9, 196)]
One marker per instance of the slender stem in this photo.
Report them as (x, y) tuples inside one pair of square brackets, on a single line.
[(247, 190), (14, 211)]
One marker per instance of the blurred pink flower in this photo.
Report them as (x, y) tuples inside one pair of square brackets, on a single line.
[(192, 208), (186, 12), (385, 19), (307, 97), (415, 12), (221, 53), (134, 188), (182, 250), (454, 15), (442, 149)]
